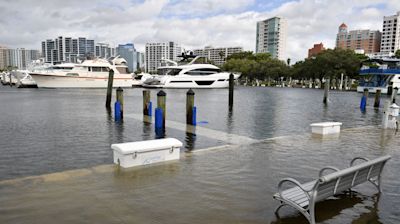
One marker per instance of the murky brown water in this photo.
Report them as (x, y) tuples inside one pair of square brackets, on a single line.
[(230, 185)]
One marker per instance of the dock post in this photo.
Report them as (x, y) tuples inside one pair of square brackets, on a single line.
[(363, 103), (120, 99), (341, 82), (189, 107), (326, 92), (377, 98), (231, 91), (146, 103), (394, 94), (117, 111), (385, 117), (161, 98), (345, 82), (109, 88)]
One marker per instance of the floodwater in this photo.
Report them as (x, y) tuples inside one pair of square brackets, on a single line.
[(56, 161)]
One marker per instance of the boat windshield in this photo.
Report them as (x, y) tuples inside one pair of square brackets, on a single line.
[(375, 80), (168, 71), (122, 70), (203, 71)]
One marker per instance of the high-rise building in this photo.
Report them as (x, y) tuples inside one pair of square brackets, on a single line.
[(140, 60), (67, 49), (271, 37), (367, 40), (4, 57), (217, 55), (129, 53), (104, 50), (19, 58), (318, 48), (391, 33), (157, 51)]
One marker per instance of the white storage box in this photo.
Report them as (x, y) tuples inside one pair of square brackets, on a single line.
[(146, 152), (326, 128)]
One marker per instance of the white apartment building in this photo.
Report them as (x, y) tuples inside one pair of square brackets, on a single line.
[(67, 49), (217, 55), (390, 41), (19, 58), (103, 50), (157, 51), (271, 37)]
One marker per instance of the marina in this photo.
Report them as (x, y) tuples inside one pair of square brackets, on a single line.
[(230, 165)]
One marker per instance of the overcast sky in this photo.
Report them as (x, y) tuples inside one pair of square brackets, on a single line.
[(192, 23)]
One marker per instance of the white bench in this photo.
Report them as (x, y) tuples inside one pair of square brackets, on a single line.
[(303, 197)]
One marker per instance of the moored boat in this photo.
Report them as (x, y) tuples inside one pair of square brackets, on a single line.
[(89, 74)]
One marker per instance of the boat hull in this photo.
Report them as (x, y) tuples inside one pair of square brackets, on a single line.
[(59, 81)]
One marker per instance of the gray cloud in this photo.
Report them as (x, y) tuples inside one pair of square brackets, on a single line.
[(194, 24)]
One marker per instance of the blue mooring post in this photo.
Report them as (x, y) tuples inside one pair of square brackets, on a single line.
[(194, 116), (150, 108), (159, 118), (363, 103), (117, 111)]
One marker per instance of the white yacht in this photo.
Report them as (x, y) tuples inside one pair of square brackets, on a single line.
[(89, 74), (24, 80), (190, 75)]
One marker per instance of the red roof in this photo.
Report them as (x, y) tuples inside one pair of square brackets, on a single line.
[(343, 25)]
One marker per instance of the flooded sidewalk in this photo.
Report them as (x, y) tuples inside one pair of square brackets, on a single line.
[(220, 185)]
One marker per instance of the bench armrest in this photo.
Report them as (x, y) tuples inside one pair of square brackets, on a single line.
[(358, 158), (321, 172), (295, 182)]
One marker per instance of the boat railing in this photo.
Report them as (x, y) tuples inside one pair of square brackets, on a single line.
[(388, 71)]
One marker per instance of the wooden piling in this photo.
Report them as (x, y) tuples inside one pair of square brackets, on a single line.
[(109, 88), (146, 101), (377, 98), (394, 94), (345, 82), (120, 99), (326, 92), (189, 106), (161, 99), (231, 83)]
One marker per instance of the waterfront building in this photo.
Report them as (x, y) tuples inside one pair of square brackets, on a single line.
[(217, 55), (391, 33), (19, 58), (103, 50), (157, 51), (129, 53), (140, 60), (271, 37), (367, 40), (4, 55), (318, 48), (67, 49)]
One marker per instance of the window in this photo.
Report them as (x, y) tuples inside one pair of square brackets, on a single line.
[(96, 69), (203, 71)]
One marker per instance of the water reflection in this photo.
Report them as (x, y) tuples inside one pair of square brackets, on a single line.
[(146, 128), (190, 138), (329, 208)]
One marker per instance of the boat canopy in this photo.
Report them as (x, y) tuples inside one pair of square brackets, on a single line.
[(380, 71)]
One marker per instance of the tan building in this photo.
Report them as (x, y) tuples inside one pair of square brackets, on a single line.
[(367, 40), (318, 48), (217, 55), (4, 57)]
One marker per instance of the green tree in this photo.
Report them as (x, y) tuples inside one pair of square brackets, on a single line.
[(397, 54)]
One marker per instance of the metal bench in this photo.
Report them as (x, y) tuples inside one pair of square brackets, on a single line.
[(303, 197)]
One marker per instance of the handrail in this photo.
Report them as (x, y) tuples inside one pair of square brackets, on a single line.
[(171, 150), (327, 168), (358, 158)]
